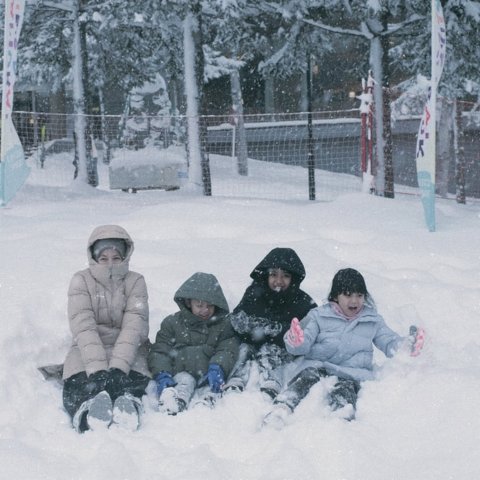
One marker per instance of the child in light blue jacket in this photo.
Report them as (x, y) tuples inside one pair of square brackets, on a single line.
[(336, 339)]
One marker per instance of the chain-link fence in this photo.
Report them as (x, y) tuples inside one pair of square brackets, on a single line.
[(276, 149)]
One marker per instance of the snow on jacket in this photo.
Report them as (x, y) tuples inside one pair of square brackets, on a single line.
[(185, 342), (263, 315), (108, 314), (344, 348)]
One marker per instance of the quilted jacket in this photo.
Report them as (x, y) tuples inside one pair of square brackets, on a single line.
[(185, 342), (108, 314), (344, 348)]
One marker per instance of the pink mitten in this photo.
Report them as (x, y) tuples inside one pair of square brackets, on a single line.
[(417, 336), (295, 335)]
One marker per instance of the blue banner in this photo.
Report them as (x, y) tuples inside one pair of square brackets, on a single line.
[(13, 169)]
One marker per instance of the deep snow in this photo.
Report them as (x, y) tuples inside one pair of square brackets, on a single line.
[(418, 420)]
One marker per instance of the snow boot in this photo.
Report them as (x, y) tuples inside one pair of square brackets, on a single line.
[(269, 394), (345, 411), (232, 389), (99, 415), (270, 388), (343, 398), (277, 417), (79, 420), (341, 407), (126, 412), (234, 385), (170, 403), (208, 400)]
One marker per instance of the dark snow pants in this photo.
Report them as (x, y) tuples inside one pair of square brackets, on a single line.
[(270, 359), (344, 391), (77, 389)]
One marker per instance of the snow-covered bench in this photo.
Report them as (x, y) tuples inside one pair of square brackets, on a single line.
[(148, 168)]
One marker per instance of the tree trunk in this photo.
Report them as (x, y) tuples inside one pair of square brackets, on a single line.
[(310, 147), (387, 110), (199, 59), (269, 94), (376, 66), (459, 154), (91, 162), (444, 146), (239, 124), (303, 102), (104, 135), (80, 160), (191, 92), (379, 46), (177, 105)]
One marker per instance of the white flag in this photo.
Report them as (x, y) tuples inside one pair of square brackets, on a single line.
[(426, 140), (13, 169)]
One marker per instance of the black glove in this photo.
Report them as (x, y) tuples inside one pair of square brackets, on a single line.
[(97, 382), (117, 382), (253, 327)]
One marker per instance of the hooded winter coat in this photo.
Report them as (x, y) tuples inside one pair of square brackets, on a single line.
[(269, 313), (108, 314), (185, 342), (344, 347)]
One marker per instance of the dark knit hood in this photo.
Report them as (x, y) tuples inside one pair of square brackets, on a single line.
[(284, 258), (277, 308)]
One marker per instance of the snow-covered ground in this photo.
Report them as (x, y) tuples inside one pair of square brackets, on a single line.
[(418, 420)]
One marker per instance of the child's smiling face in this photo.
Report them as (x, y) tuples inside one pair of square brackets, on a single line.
[(279, 280), (351, 303)]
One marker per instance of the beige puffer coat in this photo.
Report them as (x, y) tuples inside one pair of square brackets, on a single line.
[(108, 314)]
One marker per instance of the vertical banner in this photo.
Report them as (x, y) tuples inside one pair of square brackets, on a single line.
[(13, 169), (426, 140)]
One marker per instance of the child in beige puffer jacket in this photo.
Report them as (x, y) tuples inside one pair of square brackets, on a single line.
[(105, 372)]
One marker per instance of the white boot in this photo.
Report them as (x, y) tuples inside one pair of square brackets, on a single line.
[(126, 412), (277, 417), (170, 403), (99, 414)]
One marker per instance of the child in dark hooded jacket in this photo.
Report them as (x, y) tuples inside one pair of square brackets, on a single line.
[(195, 348), (263, 316)]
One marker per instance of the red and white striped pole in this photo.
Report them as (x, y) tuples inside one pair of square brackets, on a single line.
[(366, 135)]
